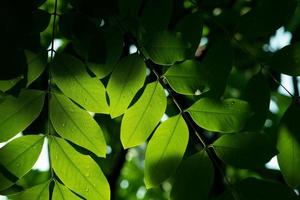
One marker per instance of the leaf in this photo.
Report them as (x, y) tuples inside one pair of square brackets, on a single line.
[(155, 22), (140, 119), (258, 95), (71, 77), (19, 155), (194, 178), (76, 125), (129, 8), (36, 64), (260, 20), (165, 150), (165, 48), (6, 85), (61, 192), (16, 114), (126, 80), (191, 27), (114, 47), (38, 192), (78, 172), (188, 77), (287, 60), (237, 149), (252, 188), (225, 116), (288, 145)]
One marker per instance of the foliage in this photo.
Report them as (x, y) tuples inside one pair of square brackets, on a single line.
[(148, 99)]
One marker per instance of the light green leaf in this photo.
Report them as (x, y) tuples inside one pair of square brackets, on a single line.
[(8, 84), (16, 114), (165, 48), (165, 150), (190, 26), (114, 46), (188, 77), (287, 60), (36, 64), (140, 119), (225, 116), (258, 95), (61, 192), (76, 125), (194, 178), (38, 192), (78, 172), (156, 22), (126, 80), (288, 145), (237, 149), (71, 77), (19, 155)]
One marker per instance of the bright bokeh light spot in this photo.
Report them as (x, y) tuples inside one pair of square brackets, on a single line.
[(273, 107), (132, 49), (124, 184), (281, 39), (273, 164), (287, 82), (42, 164), (140, 194), (108, 149), (3, 197), (56, 44), (164, 117)]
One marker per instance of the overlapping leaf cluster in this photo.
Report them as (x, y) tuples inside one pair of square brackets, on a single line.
[(196, 91)]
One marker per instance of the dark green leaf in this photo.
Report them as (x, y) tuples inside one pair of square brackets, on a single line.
[(226, 116), (36, 64), (5, 85), (194, 178), (165, 150), (16, 114), (140, 119)]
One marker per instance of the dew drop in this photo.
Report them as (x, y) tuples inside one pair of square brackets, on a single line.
[(197, 92), (86, 189)]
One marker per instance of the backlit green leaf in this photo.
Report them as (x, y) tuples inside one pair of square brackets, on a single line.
[(36, 64), (8, 84), (165, 150), (140, 119), (238, 149), (194, 178), (288, 145), (126, 80), (38, 192), (16, 114), (77, 171), (76, 125), (225, 116), (287, 60), (71, 77), (166, 48), (61, 192), (188, 77)]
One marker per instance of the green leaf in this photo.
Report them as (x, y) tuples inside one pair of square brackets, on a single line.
[(16, 114), (156, 22), (71, 77), (260, 20), (76, 125), (237, 149), (38, 192), (78, 172), (165, 48), (191, 27), (225, 116), (165, 150), (288, 145), (194, 178), (113, 39), (19, 155), (287, 60), (61, 192), (36, 64), (258, 95), (140, 119), (129, 8), (8, 84), (126, 80), (252, 188), (188, 77)]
